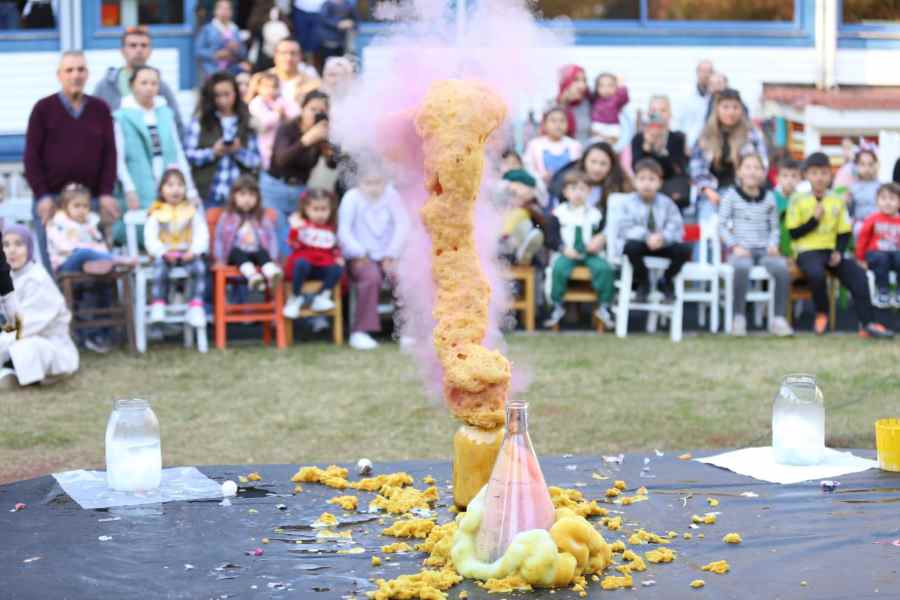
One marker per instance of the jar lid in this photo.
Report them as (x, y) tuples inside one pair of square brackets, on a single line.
[(131, 404)]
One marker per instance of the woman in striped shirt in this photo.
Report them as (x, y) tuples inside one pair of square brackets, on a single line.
[(748, 225)]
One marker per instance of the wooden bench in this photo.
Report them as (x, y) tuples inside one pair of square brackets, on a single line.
[(581, 292), (336, 314), (524, 302), (120, 313), (800, 291)]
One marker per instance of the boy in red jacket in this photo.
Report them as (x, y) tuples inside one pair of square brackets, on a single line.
[(315, 253), (878, 244)]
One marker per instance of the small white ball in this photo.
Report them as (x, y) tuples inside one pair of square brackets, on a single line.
[(364, 466), (229, 488)]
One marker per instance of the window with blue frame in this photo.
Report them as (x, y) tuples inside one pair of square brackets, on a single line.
[(870, 12), (869, 23), (125, 13), (40, 15)]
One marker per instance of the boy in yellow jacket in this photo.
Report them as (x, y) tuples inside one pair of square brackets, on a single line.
[(820, 228)]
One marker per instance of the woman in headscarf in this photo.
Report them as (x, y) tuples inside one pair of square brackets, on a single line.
[(42, 347), (574, 97)]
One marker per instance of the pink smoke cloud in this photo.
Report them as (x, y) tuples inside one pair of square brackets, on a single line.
[(502, 46)]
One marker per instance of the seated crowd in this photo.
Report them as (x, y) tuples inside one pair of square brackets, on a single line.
[(261, 161)]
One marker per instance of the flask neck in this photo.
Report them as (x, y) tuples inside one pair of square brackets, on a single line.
[(517, 417)]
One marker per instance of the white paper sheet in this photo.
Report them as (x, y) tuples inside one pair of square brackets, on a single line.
[(759, 463), (89, 489)]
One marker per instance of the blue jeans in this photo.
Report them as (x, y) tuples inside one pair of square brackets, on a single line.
[(306, 26), (329, 275), (284, 199), (76, 260)]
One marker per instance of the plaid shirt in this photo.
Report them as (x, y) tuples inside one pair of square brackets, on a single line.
[(701, 161), (227, 170)]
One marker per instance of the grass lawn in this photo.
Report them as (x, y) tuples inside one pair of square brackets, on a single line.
[(316, 403)]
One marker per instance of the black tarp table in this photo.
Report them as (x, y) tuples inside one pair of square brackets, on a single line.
[(841, 543)]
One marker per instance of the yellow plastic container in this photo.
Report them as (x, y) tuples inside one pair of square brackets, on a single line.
[(887, 440)]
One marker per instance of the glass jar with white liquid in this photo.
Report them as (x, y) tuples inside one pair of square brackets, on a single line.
[(133, 452), (798, 422)]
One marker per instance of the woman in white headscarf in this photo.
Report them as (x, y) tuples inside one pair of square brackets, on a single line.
[(42, 348)]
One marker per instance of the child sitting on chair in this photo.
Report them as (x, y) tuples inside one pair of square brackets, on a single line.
[(42, 349), (315, 254), (246, 239), (820, 227), (878, 244), (748, 225), (651, 225), (176, 235), (74, 241), (521, 238), (789, 177), (580, 226)]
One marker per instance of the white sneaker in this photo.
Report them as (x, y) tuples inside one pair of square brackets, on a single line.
[(739, 326), (534, 241), (604, 315), (292, 307), (158, 312), (780, 327), (272, 273), (407, 342), (318, 324), (360, 340), (322, 302), (8, 380), (254, 278), (559, 311), (196, 316)]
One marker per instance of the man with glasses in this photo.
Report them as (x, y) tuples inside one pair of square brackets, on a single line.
[(136, 49), (69, 139)]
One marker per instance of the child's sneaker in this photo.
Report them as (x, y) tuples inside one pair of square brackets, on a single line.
[(360, 340), (739, 326), (821, 324), (559, 311), (534, 241), (322, 302), (605, 316), (876, 331), (158, 312), (196, 316), (254, 278), (97, 344), (272, 273), (780, 327), (667, 290), (882, 299), (293, 307), (642, 293)]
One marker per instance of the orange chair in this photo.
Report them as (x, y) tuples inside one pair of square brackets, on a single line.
[(267, 313)]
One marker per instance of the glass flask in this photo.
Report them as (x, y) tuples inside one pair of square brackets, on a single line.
[(798, 422), (517, 498), (133, 452)]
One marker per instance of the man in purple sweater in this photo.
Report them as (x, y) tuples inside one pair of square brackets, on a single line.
[(70, 139)]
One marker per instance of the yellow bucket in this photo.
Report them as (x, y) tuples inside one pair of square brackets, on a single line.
[(887, 440)]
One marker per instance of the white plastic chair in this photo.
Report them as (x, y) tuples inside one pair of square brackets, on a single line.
[(761, 288), (706, 276), (176, 313), (656, 266)]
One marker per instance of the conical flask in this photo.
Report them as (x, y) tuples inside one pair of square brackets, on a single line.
[(517, 498)]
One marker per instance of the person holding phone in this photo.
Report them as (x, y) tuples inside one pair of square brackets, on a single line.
[(221, 145), (299, 144)]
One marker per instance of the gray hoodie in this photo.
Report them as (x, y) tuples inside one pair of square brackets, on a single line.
[(108, 91)]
